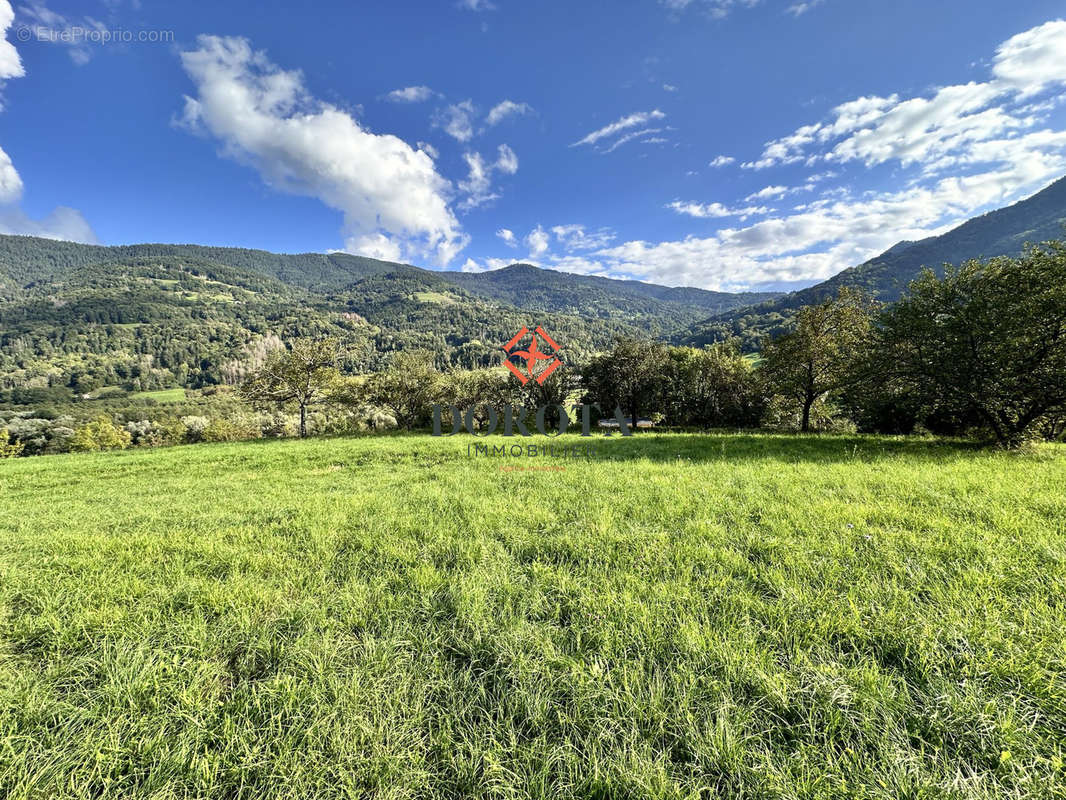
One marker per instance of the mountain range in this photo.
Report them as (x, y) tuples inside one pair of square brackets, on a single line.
[(157, 315)]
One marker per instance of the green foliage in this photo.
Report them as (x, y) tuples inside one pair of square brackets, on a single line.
[(100, 434), (300, 375), (684, 616), (407, 390), (150, 318), (818, 358), (9, 449), (628, 377), (989, 337)]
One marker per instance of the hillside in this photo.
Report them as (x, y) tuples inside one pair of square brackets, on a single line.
[(526, 286), (1002, 232), (147, 317)]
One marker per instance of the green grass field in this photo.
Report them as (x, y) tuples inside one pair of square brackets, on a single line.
[(685, 616), (162, 395)]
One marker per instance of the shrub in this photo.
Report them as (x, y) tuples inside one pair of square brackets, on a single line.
[(100, 434)]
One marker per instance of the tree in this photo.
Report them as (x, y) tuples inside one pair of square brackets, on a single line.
[(407, 389), (817, 358), (714, 387), (629, 377), (988, 338), (100, 434), (300, 375)]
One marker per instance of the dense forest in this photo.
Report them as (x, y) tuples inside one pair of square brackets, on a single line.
[(147, 317)]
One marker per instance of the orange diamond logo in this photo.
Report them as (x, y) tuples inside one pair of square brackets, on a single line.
[(533, 364)]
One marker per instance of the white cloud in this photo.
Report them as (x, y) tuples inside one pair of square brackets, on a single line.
[(507, 161), (1033, 60), (10, 63), (576, 237), (410, 94), (508, 237), (669, 87), (63, 223), (722, 161), (715, 210), (538, 242), (828, 236), (625, 123), (429, 150), (478, 185), (472, 266), (629, 137), (477, 5), (374, 245), (716, 9), (770, 192), (10, 182), (801, 8), (506, 109), (456, 120), (393, 200), (943, 129)]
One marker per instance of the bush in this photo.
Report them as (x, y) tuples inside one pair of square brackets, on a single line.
[(223, 430), (100, 434)]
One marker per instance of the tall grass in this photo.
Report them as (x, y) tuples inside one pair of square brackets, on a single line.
[(682, 616)]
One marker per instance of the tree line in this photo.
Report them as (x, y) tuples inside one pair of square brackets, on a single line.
[(979, 352)]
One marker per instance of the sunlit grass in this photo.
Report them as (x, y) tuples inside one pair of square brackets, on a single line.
[(684, 616)]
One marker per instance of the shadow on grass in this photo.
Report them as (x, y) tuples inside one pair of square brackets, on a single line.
[(786, 448)]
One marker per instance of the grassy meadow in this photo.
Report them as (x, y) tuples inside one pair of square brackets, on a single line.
[(683, 616)]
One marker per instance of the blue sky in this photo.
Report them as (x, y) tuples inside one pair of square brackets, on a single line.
[(728, 144)]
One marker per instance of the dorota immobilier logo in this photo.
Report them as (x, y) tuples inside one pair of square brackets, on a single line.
[(536, 364)]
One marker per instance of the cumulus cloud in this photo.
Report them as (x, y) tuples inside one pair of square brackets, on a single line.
[(1034, 60), (508, 237), (393, 200), (457, 120), (625, 123), (10, 63), (478, 185), (825, 237), (722, 161), (410, 94), (10, 181), (769, 193), (505, 109), (538, 241)]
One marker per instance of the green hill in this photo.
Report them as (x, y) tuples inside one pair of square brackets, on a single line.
[(154, 316)]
